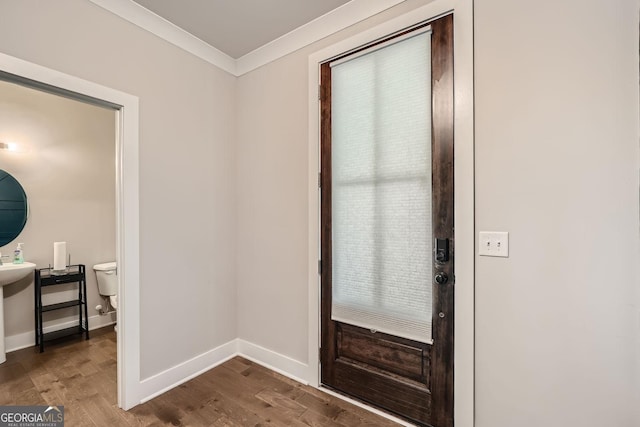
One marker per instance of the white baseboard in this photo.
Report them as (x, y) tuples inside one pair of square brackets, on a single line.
[(28, 339), (275, 361), (183, 372), (179, 374)]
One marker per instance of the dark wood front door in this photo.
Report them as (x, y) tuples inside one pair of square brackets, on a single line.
[(410, 376)]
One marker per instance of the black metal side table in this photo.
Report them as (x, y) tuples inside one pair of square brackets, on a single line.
[(45, 277)]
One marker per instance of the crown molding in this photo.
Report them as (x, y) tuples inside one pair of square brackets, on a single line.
[(344, 16), (321, 27), (147, 20)]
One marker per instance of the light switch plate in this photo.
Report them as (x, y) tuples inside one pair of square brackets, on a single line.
[(493, 243)]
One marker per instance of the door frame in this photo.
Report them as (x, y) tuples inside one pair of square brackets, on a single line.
[(463, 199), (127, 213)]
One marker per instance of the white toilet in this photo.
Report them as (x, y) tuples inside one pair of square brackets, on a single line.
[(107, 277)]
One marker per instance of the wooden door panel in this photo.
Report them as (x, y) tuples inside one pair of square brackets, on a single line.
[(397, 356), (443, 217), (408, 398), (409, 378)]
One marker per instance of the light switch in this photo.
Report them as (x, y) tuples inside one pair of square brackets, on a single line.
[(493, 243)]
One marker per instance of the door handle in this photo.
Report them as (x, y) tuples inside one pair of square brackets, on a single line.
[(441, 278)]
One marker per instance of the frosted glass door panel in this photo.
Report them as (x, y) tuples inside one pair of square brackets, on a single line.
[(381, 189)]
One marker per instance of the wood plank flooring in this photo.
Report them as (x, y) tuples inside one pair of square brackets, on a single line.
[(81, 375)]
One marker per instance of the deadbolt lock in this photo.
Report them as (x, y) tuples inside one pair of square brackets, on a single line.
[(441, 249)]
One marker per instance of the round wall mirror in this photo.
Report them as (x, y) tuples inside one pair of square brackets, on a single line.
[(13, 208)]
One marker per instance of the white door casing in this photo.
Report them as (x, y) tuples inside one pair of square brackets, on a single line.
[(464, 190), (127, 213)]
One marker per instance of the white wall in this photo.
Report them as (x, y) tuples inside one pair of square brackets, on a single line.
[(272, 207), (68, 173), (557, 161), (187, 180)]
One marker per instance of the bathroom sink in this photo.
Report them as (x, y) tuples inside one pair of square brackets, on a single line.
[(10, 273)]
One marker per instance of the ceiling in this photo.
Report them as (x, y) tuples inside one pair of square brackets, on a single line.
[(237, 27)]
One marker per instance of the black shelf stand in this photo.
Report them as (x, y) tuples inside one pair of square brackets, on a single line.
[(45, 277)]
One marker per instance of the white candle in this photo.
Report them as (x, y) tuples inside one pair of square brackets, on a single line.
[(59, 255)]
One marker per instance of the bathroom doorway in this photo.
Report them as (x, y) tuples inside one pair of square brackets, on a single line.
[(63, 154), (62, 151), (123, 111)]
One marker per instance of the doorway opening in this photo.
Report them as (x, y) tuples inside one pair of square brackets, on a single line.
[(64, 155), (126, 200)]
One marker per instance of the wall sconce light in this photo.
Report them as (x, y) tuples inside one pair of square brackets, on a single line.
[(8, 146)]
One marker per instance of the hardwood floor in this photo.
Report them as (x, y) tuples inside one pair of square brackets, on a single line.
[(81, 375)]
